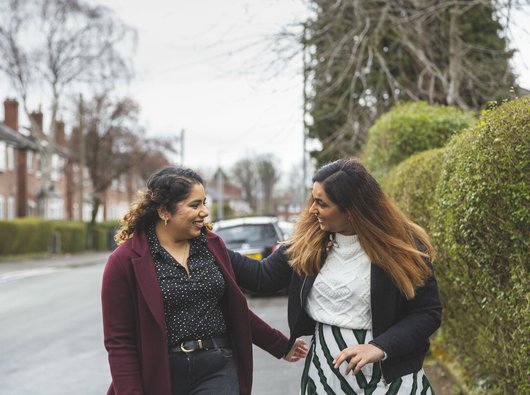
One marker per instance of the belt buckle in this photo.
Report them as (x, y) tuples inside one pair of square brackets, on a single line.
[(186, 350)]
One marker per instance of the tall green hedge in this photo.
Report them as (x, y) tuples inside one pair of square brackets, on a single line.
[(484, 265), (408, 129), (25, 236), (102, 235), (412, 184), (72, 236), (36, 235)]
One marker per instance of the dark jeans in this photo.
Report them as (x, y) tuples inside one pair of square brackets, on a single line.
[(205, 372)]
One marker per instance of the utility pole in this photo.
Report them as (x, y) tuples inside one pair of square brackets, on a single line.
[(81, 157), (220, 197), (182, 132), (304, 114)]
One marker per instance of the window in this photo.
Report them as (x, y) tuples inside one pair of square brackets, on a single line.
[(117, 210), (3, 154), (55, 209), (29, 162), (122, 183), (2, 207), (250, 234), (56, 163), (10, 157), (32, 208), (10, 207)]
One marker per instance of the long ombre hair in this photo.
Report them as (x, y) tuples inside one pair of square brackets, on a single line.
[(165, 188), (389, 238)]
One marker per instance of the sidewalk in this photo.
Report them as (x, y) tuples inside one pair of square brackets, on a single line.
[(28, 268)]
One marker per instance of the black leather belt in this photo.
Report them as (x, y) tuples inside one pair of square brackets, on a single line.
[(202, 344)]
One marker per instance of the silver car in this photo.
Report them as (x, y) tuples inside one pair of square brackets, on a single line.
[(255, 237)]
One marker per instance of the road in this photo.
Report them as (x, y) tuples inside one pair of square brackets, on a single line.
[(51, 339)]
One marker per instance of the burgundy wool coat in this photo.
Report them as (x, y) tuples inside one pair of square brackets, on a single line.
[(135, 329)]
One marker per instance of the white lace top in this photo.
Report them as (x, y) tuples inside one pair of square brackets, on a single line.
[(341, 292)]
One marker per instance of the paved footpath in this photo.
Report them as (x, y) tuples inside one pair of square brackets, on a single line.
[(10, 271)]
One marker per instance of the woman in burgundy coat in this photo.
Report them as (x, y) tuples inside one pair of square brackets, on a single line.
[(175, 321)]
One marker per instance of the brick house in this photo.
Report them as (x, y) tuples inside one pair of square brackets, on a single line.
[(20, 177), (17, 166)]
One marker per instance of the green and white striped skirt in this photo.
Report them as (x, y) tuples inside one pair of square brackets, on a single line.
[(320, 377)]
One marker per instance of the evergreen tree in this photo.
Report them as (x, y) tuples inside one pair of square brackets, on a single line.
[(365, 56)]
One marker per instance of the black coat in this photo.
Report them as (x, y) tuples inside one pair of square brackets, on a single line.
[(400, 327)]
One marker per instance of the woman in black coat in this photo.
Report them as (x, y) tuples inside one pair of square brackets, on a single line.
[(360, 281)]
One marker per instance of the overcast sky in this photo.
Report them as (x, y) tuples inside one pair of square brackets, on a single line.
[(193, 74), (203, 66)]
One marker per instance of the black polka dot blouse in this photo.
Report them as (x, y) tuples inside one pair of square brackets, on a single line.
[(192, 303)]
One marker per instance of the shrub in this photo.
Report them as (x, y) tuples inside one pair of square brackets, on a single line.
[(72, 235), (98, 239), (412, 184), (483, 267), (25, 236), (408, 129), (102, 235)]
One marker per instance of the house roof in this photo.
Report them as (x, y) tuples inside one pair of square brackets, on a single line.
[(11, 137)]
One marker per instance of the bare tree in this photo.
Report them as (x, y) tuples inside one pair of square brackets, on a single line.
[(268, 176), (245, 174), (155, 158), (257, 176), (116, 146), (365, 56), (112, 141), (53, 46)]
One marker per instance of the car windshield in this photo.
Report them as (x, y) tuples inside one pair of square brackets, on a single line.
[(250, 234)]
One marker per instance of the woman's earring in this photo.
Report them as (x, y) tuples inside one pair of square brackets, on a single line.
[(165, 221), (331, 242)]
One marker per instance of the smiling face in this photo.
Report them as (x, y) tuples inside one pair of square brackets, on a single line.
[(330, 217), (188, 219)]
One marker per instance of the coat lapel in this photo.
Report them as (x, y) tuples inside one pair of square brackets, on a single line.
[(147, 280)]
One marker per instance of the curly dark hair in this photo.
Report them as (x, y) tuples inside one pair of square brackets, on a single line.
[(165, 188)]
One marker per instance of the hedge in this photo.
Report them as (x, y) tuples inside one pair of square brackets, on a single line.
[(98, 240), (103, 235), (412, 184), (408, 129), (25, 236), (483, 238), (37, 235), (72, 236)]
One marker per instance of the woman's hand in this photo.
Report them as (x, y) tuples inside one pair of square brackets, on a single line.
[(358, 356), (297, 351)]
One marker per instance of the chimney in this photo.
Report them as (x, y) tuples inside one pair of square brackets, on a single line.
[(21, 191), (11, 113), (60, 138), (37, 117), (74, 139)]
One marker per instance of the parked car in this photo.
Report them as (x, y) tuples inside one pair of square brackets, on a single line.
[(287, 228), (255, 237)]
